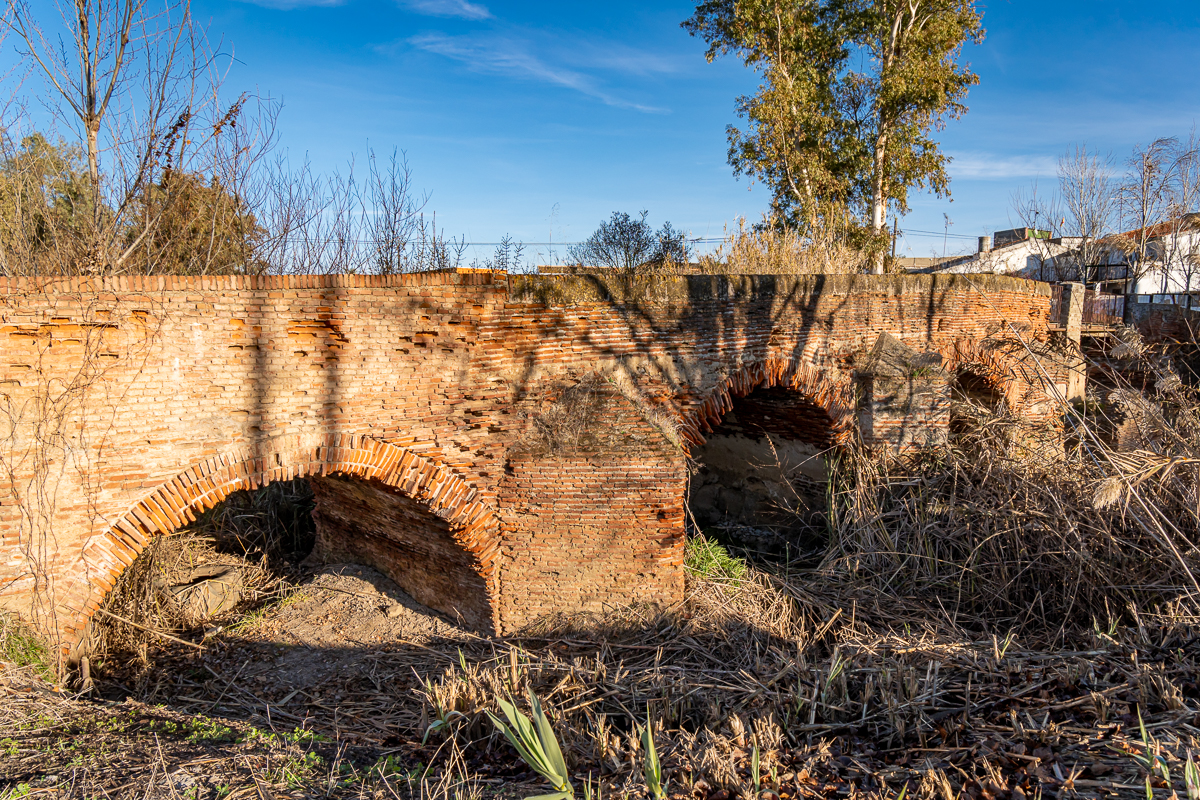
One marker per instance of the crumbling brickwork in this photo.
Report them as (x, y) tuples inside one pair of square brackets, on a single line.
[(131, 404), (904, 397)]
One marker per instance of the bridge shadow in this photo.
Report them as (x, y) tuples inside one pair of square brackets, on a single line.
[(735, 318), (335, 657)]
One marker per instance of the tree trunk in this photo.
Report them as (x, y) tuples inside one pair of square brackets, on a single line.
[(96, 255), (878, 200), (93, 147)]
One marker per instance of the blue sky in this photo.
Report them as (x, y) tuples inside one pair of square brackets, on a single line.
[(538, 119)]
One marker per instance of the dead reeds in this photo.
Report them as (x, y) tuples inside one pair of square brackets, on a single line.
[(768, 248), (256, 536)]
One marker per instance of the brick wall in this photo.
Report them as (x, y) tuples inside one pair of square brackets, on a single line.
[(1165, 324), (127, 405), (368, 522)]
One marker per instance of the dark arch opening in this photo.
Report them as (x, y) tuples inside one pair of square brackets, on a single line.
[(761, 475), (368, 522), (248, 549), (972, 397), (273, 523)]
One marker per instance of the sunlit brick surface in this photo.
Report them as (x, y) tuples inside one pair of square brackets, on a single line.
[(131, 404)]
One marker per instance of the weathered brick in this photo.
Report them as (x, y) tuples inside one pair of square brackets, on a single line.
[(429, 388)]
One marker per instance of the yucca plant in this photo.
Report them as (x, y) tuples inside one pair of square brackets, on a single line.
[(535, 743), (1191, 778), (652, 767), (755, 772)]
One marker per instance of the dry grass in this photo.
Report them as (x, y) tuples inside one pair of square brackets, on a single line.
[(570, 420), (840, 693), (260, 533), (769, 249), (837, 699)]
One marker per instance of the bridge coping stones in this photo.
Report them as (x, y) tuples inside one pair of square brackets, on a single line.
[(549, 289)]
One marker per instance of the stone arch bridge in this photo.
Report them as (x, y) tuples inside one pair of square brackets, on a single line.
[(503, 446)]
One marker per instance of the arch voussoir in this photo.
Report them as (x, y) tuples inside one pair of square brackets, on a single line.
[(1010, 368), (832, 394)]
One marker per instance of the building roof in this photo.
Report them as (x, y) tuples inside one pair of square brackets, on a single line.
[(1189, 222)]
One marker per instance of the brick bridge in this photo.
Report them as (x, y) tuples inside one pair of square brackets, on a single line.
[(503, 446)]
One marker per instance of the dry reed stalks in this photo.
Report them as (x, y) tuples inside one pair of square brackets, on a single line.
[(771, 249), (262, 534)]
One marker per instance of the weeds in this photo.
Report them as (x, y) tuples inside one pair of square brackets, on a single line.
[(570, 422), (710, 561), (651, 766), (20, 646), (536, 744)]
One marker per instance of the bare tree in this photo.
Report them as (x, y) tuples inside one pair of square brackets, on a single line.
[(351, 222), (179, 179), (1087, 199), (1145, 199), (1081, 212), (1176, 249), (1036, 210), (124, 78)]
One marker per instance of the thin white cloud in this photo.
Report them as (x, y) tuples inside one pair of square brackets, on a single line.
[(623, 58), (511, 57), (461, 9), (985, 166), (288, 5)]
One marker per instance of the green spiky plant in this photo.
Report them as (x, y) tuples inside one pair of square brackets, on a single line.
[(755, 772), (652, 767), (1191, 778), (534, 741)]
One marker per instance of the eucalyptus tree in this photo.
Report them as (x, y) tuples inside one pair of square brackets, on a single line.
[(852, 93)]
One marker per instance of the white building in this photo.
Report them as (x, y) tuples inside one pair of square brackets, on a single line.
[(1024, 252), (1172, 263), (1171, 267)]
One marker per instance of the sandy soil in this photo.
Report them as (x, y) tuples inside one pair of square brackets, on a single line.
[(348, 606)]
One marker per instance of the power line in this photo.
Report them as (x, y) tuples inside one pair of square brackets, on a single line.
[(455, 243), (698, 240), (939, 233)]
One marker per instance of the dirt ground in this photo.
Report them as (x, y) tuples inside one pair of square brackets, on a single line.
[(296, 699), (331, 655), (331, 627), (346, 688)]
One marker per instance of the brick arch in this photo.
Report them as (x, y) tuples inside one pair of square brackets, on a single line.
[(834, 396), (177, 502), (1018, 381)]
